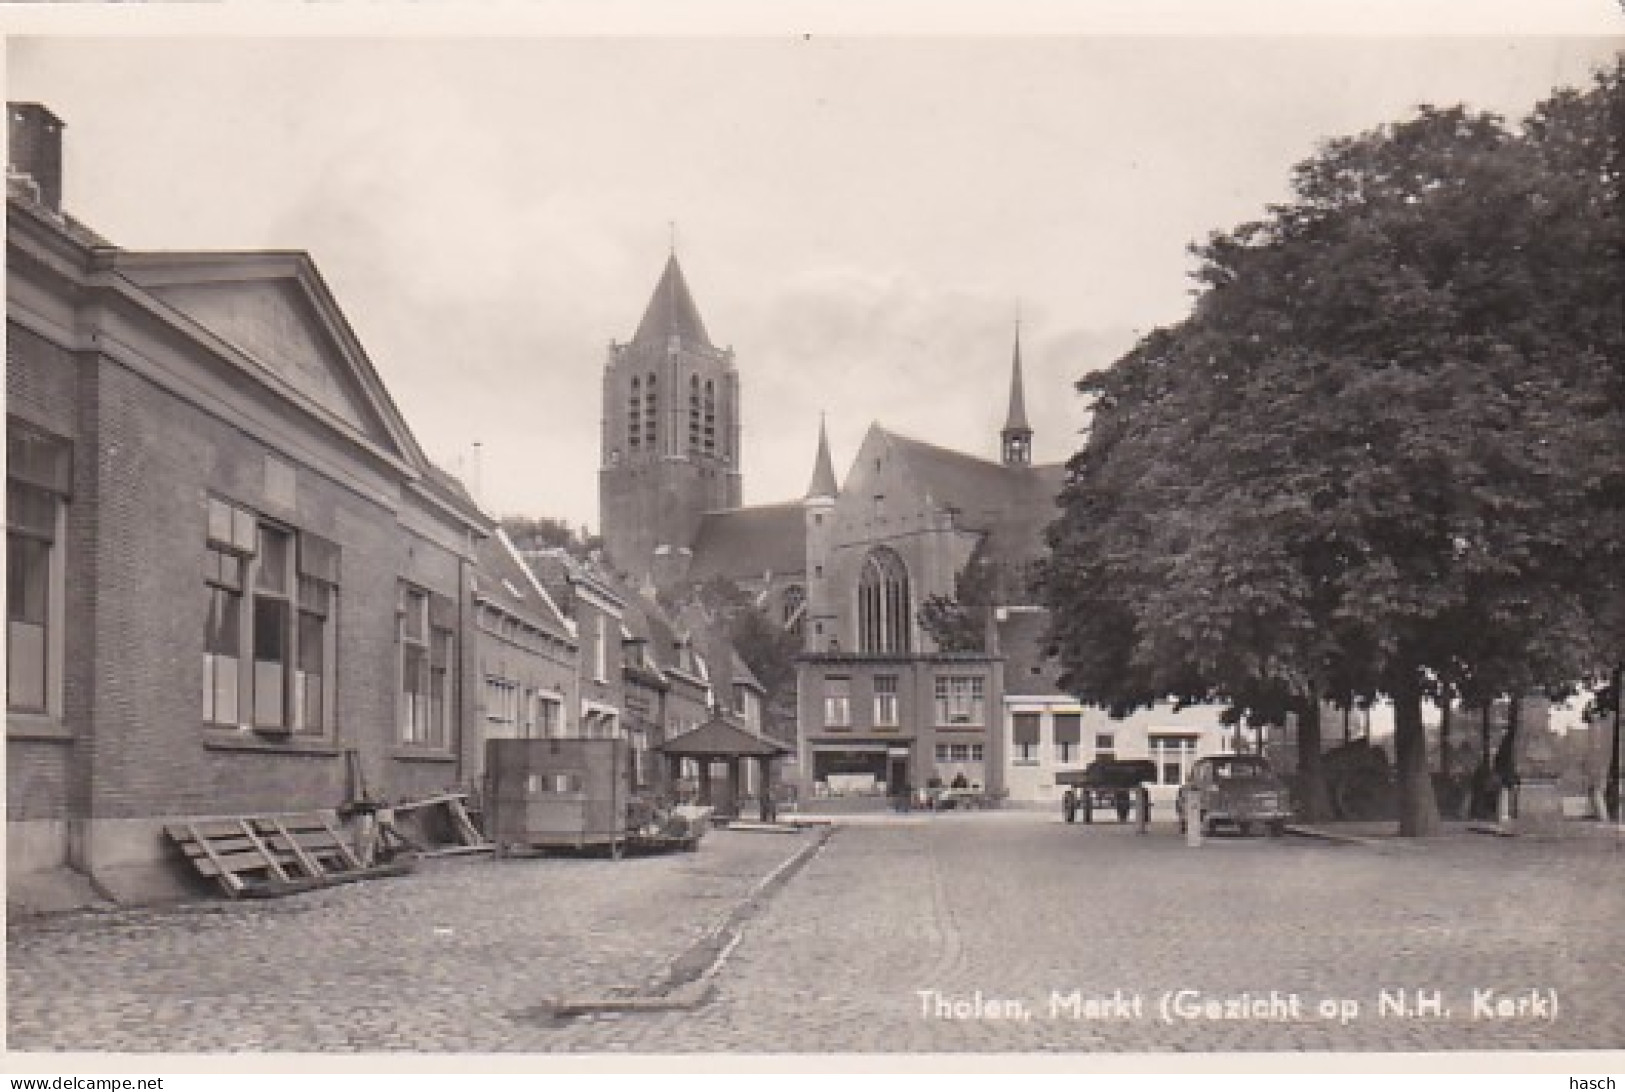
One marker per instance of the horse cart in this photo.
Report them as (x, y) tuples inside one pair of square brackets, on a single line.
[(1115, 784)]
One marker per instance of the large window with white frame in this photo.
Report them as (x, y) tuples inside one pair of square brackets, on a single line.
[(960, 699), (837, 702), (270, 624), (960, 752), (1173, 754), (427, 649), (39, 476), (886, 701), (502, 702)]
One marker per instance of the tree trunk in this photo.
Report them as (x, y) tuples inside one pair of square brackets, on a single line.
[(1316, 804), (1506, 755), (1444, 735), (1418, 810)]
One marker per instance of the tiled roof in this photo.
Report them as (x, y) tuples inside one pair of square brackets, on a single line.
[(743, 675), (500, 577), (643, 624), (710, 637), (1012, 504), (449, 488), (671, 311), (721, 736), (745, 543)]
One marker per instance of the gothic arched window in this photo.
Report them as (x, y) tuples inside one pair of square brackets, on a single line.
[(884, 610)]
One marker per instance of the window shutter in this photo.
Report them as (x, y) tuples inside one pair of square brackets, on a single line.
[(232, 528), (1026, 728), (1068, 728)]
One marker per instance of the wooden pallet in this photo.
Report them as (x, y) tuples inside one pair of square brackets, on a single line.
[(263, 855)]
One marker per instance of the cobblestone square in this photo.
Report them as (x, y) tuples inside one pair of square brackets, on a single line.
[(938, 933)]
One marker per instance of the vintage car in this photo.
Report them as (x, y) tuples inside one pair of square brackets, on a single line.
[(1104, 783), (1242, 791)]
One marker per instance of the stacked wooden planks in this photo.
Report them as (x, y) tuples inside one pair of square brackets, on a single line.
[(266, 855)]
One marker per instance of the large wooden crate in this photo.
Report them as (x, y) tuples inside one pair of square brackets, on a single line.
[(557, 792)]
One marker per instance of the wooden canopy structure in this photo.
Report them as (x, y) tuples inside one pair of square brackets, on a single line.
[(721, 739)]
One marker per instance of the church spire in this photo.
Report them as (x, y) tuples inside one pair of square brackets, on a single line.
[(823, 479), (1017, 436), (671, 312)]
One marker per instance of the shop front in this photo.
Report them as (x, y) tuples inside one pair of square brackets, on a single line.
[(860, 767)]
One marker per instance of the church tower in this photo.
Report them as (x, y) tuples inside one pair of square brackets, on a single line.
[(1016, 438), (670, 447)]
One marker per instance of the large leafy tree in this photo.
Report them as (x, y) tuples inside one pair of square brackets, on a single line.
[(1381, 457)]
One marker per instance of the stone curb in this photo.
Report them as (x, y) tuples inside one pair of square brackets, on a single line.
[(686, 981)]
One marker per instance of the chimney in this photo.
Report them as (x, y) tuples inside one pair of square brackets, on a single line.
[(35, 150)]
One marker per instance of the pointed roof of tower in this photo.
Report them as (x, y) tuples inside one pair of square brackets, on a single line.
[(671, 311), (823, 479), (1017, 418)]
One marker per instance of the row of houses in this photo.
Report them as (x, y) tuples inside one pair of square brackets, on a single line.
[(237, 584)]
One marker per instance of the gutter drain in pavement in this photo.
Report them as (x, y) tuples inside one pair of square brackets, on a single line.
[(686, 981)]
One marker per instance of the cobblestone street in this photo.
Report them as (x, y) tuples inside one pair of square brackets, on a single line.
[(441, 960), (898, 935)]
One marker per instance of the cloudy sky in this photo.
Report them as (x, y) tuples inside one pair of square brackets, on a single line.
[(859, 217)]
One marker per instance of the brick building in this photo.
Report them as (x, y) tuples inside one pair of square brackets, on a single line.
[(528, 658), (229, 563)]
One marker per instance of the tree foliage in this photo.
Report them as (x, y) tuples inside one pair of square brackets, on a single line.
[(544, 532), (959, 623), (1381, 457), (768, 648)]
